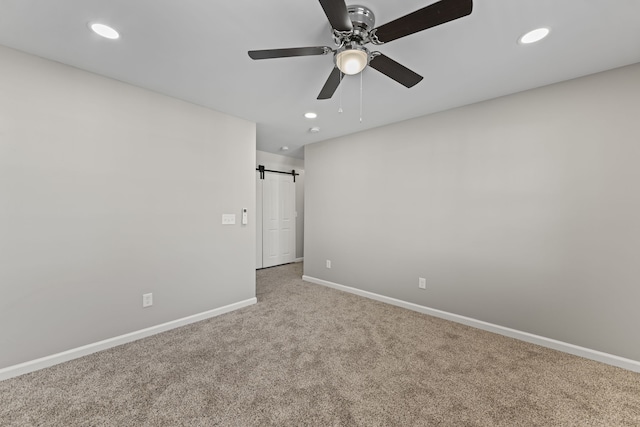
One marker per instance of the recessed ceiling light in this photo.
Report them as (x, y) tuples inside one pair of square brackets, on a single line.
[(534, 36), (104, 31), (310, 115), (284, 148), (314, 130)]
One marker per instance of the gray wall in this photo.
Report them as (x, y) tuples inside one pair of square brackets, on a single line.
[(284, 163), (523, 211), (108, 191)]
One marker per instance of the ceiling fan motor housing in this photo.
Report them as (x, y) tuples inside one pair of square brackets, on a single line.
[(362, 18)]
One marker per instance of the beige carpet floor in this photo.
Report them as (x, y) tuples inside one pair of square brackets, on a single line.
[(307, 355)]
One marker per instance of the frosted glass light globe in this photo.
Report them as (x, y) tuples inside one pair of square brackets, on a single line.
[(351, 61)]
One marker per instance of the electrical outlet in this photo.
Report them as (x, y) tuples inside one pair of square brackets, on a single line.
[(422, 283), (147, 300), (328, 263)]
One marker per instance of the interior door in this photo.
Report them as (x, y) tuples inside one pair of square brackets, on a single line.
[(278, 219), (258, 221)]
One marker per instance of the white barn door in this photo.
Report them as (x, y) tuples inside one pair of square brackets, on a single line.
[(278, 219), (258, 220)]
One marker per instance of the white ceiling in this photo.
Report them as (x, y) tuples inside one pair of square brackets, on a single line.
[(196, 50)]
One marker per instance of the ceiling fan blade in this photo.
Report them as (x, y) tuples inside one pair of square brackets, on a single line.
[(331, 84), (422, 19), (293, 51), (396, 71), (336, 11)]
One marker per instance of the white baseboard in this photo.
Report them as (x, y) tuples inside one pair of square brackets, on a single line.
[(298, 259), (587, 353), (54, 359)]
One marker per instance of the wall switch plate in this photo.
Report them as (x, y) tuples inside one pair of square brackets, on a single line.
[(228, 219), (147, 300), (328, 263), (422, 283)]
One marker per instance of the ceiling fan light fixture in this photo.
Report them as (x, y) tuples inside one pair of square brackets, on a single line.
[(351, 61)]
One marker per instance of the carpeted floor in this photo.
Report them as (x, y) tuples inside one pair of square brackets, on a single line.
[(309, 355)]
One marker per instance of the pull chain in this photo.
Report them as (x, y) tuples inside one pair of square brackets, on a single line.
[(361, 97), (340, 107)]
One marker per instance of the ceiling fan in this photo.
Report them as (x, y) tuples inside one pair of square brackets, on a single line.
[(353, 28)]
